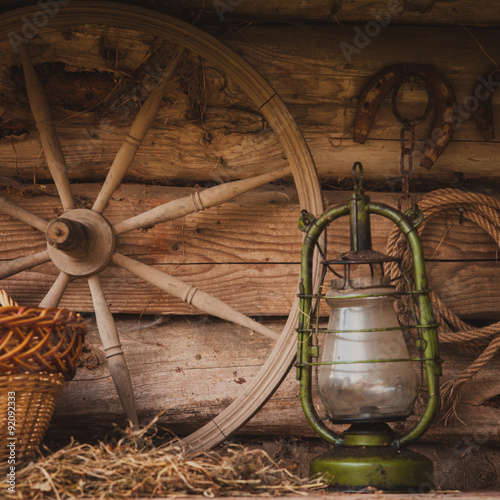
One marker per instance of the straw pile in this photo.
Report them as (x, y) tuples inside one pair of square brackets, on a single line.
[(131, 467)]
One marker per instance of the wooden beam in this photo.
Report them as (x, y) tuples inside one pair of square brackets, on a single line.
[(470, 289), (194, 368), (265, 216), (245, 252), (428, 12), (316, 81), (328, 11)]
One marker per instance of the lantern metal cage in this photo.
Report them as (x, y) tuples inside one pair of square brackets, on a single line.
[(369, 452)]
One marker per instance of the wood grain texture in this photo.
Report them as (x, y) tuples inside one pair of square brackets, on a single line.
[(255, 271), (245, 252), (403, 12), (318, 84), (472, 290), (234, 232), (209, 363)]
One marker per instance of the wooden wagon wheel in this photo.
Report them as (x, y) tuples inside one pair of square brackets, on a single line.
[(82, 242)]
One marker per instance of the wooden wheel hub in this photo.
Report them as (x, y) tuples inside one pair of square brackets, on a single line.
[(80, 242)]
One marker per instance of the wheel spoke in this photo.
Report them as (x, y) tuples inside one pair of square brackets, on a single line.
[(137, 132), (54, 295), (47, 130), (196, 202), (112, 346), (190, 294), (11, 267), (10, 208)]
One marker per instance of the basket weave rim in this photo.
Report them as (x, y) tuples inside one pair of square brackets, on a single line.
[(26, 314), (35, 339)]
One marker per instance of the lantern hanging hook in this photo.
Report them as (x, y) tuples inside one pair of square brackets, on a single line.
[(357, 177)]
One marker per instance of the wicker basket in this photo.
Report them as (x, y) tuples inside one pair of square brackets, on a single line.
[(35, 400), (39, 349)]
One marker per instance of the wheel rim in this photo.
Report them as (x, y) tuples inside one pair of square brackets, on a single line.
[(272, 108)]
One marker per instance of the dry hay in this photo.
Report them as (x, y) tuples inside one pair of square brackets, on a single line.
[(132, 467)]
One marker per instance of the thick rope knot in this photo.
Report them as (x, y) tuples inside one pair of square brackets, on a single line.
[(484, 211)]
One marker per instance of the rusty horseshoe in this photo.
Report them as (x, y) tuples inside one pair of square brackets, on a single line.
[(483, 92), (386, 80)]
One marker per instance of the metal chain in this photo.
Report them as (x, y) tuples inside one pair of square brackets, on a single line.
[(407, 148), (406, 163)]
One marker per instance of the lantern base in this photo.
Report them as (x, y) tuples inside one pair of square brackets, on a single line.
[(355, 468)]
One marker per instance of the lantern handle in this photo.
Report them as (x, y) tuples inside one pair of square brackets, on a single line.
[(429, 332), (304, 352)]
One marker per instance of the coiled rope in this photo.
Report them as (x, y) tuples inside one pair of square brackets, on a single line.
[(484, 211)]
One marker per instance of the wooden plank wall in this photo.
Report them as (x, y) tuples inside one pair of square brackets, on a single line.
[(326, 11), (247, 252), (169, 355), (319, 86), (254, 237)]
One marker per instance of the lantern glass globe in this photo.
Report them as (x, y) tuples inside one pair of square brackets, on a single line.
[(369, 381)]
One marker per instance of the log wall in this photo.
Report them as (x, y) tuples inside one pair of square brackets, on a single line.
[(247, 251), (169, 356), (326, 11), (319, 86)]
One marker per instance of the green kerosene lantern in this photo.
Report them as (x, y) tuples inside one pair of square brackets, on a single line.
[(363, 371)]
